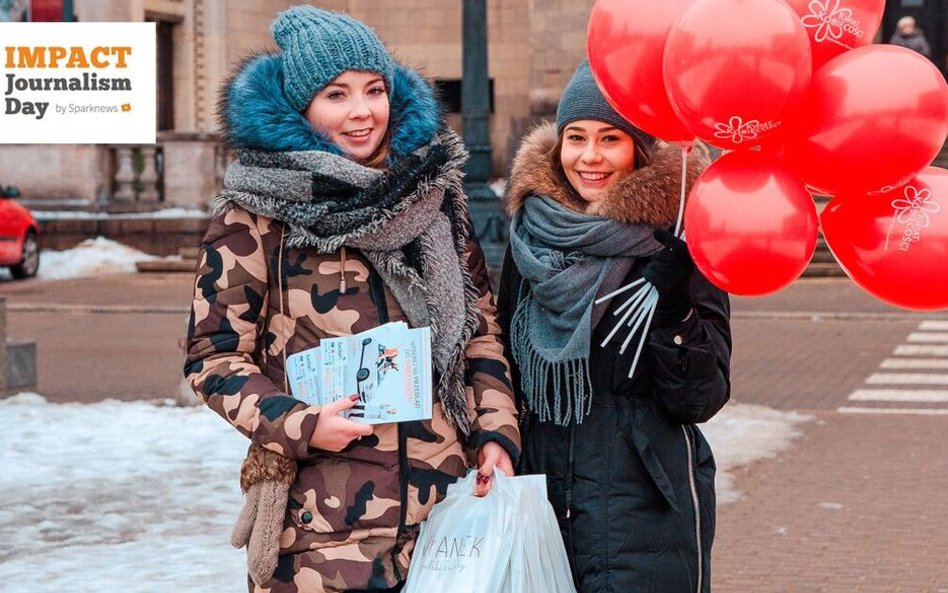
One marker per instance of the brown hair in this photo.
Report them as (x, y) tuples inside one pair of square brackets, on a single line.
[(376, 160), (378, 157)]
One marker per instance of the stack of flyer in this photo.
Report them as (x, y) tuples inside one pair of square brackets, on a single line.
[(388, 366)]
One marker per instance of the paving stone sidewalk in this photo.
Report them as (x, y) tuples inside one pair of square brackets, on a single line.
[(858, 505), (860, 502)]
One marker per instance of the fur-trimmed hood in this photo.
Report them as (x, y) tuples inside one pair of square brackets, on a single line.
[(253, 112), (646, 195)]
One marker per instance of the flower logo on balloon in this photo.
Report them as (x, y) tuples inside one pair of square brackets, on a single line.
[(829, 20), (912, 211), (737, 130), (915, 206)]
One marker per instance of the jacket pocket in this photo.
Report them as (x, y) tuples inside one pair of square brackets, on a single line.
[(341, 495), (640, 443)]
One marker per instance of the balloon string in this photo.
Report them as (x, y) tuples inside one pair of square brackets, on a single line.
[(685, 149)]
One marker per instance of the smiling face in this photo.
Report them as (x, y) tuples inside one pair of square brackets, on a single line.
[(352, 111), (593, 155)]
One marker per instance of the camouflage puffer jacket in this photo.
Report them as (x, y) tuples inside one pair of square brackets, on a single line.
[(352, 516)]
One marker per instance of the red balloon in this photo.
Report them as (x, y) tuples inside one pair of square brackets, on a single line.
[(836, 26), (895, 244), (873, 117), (751, 225), (733, 68), (625, 40)]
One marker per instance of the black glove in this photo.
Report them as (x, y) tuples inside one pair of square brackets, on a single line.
[(670, 272)]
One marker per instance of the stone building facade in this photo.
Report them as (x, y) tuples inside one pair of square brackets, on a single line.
[(533, 47)]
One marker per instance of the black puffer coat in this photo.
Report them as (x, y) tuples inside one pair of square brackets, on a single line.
[(633, 484)]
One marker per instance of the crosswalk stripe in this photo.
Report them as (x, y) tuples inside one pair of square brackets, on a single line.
[(930, 353), (907, 379), (922, 411), (928, 337), (900, 395), (919, 350), (915, 363)]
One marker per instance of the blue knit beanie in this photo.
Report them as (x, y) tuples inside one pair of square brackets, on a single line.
[(582, 99), (319, 45)]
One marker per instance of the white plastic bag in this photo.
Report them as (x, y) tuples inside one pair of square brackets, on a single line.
[(464, 545), (538, 560), (505, 542)]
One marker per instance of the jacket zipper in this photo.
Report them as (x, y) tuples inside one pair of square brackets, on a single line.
[(342, 270), (569, 493), (695, 502), (378, 296), (569, 471)]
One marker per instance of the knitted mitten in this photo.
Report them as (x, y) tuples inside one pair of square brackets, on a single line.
[(265, 478)]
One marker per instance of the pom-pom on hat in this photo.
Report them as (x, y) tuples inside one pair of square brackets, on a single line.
[(319, 45), (582, 99)]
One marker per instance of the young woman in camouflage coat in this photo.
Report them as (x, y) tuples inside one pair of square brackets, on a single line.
[(344, 211)]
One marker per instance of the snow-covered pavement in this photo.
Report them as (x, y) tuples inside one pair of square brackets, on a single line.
[(140, 498), (114, 496)]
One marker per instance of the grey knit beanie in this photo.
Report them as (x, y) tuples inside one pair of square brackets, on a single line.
[(582, 99), (319, 45)]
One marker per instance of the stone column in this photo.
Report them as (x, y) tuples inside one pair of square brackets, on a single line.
[(149, 176), (125, 175)]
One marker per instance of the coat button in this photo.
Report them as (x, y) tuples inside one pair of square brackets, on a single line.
[(306, 517), (677, 340)]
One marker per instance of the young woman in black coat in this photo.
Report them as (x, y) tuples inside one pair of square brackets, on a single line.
[(630, 476)]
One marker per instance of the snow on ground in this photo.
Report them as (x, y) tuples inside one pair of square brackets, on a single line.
[(92, 257), (498, 186), (141, 497), (118, 497), (743, 433), (78, 214)]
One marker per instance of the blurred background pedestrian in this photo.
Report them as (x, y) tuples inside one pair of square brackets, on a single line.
[(907, 34)]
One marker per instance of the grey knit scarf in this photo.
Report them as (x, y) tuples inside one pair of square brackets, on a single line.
[(567, 260), (409, 220)]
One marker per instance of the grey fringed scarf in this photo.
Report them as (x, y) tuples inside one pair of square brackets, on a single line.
[(410, 221), (567, 260)]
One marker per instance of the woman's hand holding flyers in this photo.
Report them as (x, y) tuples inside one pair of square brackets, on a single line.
[(333, 432)]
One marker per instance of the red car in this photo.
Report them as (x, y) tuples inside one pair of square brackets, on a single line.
[(19, 236)]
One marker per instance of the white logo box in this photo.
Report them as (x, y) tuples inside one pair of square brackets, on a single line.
[(77, 83)]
